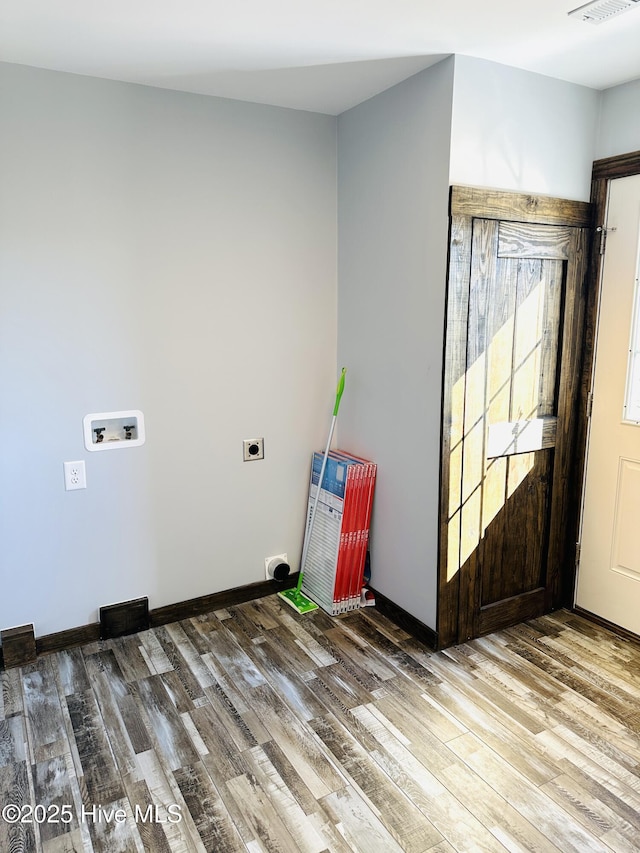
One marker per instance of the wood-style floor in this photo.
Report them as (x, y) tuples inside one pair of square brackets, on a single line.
[(255, 729)]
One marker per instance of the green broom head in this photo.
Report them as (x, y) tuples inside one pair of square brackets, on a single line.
[(297, 599)]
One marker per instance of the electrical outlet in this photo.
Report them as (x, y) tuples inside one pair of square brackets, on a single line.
[(75, 476), (277, 568), (253, 448)]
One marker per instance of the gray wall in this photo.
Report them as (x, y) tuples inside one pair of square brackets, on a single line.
[(176, 254), (515, 130), (393, 175), (619, 131)]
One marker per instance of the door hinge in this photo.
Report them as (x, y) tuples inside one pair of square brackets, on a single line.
[(602, 231), (590, 404), (578, 550)]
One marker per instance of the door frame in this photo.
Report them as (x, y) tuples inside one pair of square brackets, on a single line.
[(465, 203), (604, 171)]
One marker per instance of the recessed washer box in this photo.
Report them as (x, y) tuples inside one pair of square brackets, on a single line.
[(113, 430)]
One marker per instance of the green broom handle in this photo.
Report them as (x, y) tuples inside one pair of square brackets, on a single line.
[(339, 391)]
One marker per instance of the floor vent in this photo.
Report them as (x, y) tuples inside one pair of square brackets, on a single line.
[(127, 617), (600, 11)]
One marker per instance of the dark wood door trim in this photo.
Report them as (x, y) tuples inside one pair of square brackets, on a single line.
[(620, 166), (518, 207), (465, 204), (564, 509)]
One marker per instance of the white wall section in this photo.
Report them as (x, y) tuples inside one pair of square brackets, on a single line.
[(393, 156), (515, 130), (176, 254), (619, 131)]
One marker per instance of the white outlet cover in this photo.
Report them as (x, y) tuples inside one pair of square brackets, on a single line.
[(75, 475)]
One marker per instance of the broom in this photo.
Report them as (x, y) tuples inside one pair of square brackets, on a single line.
[(295, 597)]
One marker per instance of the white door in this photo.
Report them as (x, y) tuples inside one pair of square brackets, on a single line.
[(609, 570)]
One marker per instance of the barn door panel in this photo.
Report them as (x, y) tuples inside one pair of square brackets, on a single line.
[(505, 395)]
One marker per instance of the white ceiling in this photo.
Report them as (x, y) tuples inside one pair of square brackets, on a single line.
[(321, 55)]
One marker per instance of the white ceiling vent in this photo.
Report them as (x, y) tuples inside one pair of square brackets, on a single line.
[(599, 11)]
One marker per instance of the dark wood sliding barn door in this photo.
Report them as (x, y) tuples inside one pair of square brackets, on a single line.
[(514, 321)]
